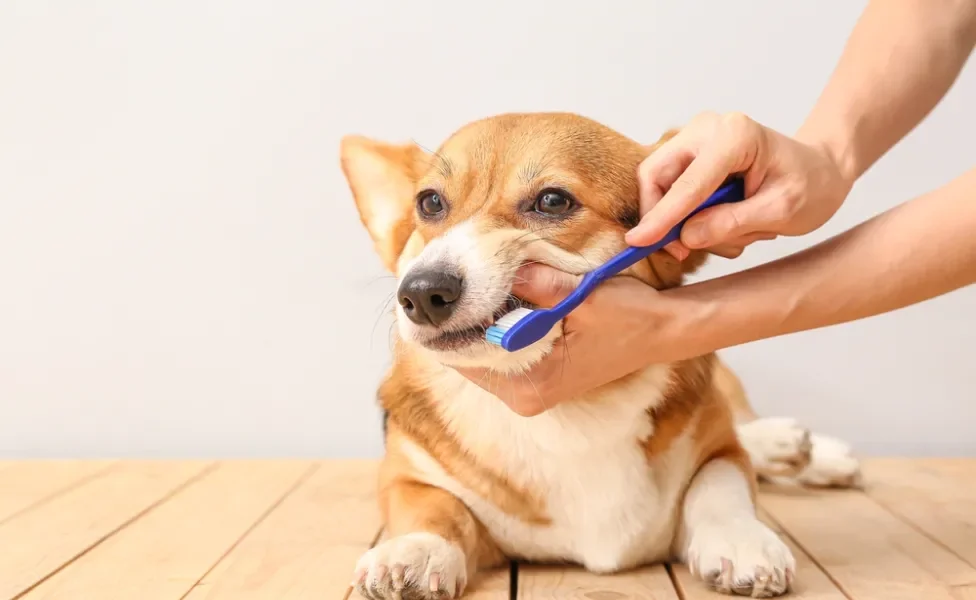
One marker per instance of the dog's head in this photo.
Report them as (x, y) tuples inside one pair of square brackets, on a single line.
[(454, 225)]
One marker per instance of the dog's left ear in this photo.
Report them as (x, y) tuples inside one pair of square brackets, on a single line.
[(382, 178)]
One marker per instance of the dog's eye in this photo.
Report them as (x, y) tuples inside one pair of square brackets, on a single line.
[(553, 202), (430, 203)]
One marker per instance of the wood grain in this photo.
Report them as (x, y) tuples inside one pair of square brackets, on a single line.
[(551, 583), (284, 530), (936, 496), (868, 551), (308, 546), (162, 555), (811, 582), (26, 484), (39, 542), (491, 584)]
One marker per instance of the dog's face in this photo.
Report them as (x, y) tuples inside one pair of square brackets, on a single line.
[(454, 225)]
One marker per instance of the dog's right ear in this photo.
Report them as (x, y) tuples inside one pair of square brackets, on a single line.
[(383, 178)]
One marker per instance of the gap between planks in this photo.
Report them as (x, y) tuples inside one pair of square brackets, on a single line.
[(307, 546), (869, 549), (26, 485), (182, 537), (905, 537), (40, 542)]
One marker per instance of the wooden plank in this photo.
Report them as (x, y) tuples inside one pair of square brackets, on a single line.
[(545, 582), (163, 555), (490, 584), (868, 551), (25, 484), (307, 547), (811, 582), (151, 529), (937, 496), (39, 542)]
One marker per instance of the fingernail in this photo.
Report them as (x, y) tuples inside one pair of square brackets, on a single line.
[(693, 234)]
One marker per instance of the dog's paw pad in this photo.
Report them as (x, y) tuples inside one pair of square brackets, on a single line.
[(413, 566), (742, 557)]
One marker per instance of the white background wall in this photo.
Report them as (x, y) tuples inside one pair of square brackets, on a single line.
[(182, 271)]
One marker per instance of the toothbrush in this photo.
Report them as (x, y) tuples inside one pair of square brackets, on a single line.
[(525, 326)]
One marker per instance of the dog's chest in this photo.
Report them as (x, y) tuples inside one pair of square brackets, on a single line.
[(607, 508)]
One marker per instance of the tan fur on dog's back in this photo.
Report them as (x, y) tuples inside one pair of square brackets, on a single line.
[(599, 479)]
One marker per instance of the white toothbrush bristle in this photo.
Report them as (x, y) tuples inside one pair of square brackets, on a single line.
[(513, 317)]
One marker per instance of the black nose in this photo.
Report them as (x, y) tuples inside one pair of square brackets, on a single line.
[(429, 297)]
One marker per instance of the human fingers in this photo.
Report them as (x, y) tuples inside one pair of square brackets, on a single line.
[(668, 160), (516, 390), (519, 394), (543, 285), (766, 212), (731, 149), (735, 248), (658, 171)]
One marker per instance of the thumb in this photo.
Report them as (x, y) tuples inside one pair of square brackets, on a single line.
[(543, 285)]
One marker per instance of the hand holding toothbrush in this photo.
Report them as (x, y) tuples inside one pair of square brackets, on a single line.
[(882, 87), (792, 186), (622, 326)]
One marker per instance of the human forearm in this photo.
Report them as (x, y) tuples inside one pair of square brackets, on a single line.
[(919, 250), (901, 59)]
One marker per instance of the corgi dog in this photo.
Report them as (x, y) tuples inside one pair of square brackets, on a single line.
[(661, 465)]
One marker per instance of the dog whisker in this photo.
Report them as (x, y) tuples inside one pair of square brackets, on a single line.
[(537, 393), (484, 378), (379, 278), (383, 311)]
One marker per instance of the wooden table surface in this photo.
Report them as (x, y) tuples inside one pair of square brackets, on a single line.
[(247, 530)]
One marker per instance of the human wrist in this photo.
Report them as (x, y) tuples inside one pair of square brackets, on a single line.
[(737, 308), (836, 143), (689, 320)]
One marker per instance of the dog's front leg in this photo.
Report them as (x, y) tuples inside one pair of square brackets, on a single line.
[(723, 541), (433, 546)]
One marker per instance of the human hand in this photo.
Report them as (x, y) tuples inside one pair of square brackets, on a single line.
[(623, 326), (792, 186)]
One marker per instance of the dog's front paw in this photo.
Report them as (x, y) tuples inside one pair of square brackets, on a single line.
[(833, 465), (777, 446), (742, 557), (412, 566)]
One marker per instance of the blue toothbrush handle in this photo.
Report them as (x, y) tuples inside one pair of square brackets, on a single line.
[(732, 190), (533, 327)]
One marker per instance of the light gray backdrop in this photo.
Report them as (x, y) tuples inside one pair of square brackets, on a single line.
[(182, 271)]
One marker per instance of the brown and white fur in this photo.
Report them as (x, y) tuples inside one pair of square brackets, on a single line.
[(660, 465)]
